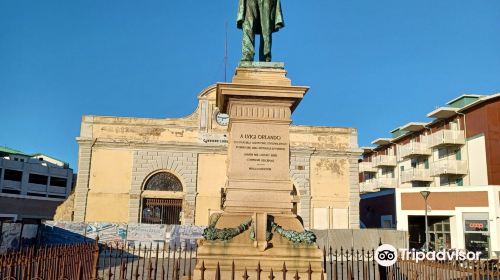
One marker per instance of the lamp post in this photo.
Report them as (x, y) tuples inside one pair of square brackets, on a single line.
[(425, 195)]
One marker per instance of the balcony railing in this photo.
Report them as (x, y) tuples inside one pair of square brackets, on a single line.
[(385, 160), (386, 183), (449, 166), (415, 149), (447, 138), (367, 167), (368, 186), (374, 185), (418, 174)]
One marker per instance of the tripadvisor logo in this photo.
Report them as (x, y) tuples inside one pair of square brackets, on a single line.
[(386, 255)]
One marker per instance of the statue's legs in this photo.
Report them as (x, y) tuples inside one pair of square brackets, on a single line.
[(266, 37), (251, 15), (266, 41)]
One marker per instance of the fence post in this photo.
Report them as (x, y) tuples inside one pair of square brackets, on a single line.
[(202, 270), (259, 271), (1, 230), (217, 272), (79, 271), (95, 258), (271, 275), (381, 269), (284, 270)]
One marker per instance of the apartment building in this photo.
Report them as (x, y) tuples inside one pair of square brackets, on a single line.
[(32, 186), (456, 157)]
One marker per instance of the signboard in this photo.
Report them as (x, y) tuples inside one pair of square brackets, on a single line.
[(476, 225), (213, 139)]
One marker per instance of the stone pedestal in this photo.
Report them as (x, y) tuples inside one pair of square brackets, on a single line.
[(259, 102)]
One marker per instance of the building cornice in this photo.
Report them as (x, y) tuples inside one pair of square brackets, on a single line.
[(204, 148)]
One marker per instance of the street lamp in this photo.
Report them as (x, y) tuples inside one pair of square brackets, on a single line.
[(425, 195)]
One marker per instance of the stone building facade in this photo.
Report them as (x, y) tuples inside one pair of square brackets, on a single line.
[(121, 161)]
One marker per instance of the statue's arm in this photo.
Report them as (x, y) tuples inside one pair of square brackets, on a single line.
[(241, 13)]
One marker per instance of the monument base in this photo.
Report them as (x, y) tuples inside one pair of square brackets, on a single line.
[(257, 233), (244, 254)]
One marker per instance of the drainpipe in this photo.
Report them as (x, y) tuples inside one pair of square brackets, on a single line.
[(88, 181)]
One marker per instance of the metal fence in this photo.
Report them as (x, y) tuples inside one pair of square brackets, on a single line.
[(351, 264), (154, 261), (146, 261), (361, 264), (64, 262), (473, 270)]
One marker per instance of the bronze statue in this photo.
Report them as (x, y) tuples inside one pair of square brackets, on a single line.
[(262, 17)]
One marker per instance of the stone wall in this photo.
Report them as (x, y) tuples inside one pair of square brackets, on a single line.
[(64, 232)]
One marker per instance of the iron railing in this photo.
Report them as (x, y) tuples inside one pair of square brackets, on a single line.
[(146, 261), (90, 261), (63, 262)]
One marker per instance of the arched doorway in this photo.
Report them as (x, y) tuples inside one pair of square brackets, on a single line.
[(159, 206)]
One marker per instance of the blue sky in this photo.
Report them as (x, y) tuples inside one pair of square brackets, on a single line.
[(372, 65)]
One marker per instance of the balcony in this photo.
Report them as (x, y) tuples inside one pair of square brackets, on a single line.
[(365, 166), (385, 160), (449, 166), (419, 174), (386, 183), (368, 186), (447, 138), (415, 149)]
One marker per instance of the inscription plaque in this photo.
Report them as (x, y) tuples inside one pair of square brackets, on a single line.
[(259, 151)]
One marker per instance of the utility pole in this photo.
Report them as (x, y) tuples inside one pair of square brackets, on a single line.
[(225, 57)]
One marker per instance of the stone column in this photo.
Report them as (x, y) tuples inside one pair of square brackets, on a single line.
[(353, 193), (82, 183)]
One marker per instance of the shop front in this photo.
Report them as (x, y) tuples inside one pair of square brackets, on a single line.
[(476, 233)]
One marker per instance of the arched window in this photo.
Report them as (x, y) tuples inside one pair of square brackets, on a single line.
[(163, 181), (163, 210)]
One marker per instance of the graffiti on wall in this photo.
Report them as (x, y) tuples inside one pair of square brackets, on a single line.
[(132, 234)]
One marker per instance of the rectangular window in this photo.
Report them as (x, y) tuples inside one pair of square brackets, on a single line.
[(414, 163), (442, 153), (426, 163), (386, 221), (36, 194), (11, 191), (458, 154), (13, 175), (56, 196), (58, 182), (459, 182), (443, 181), (38, 179)]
